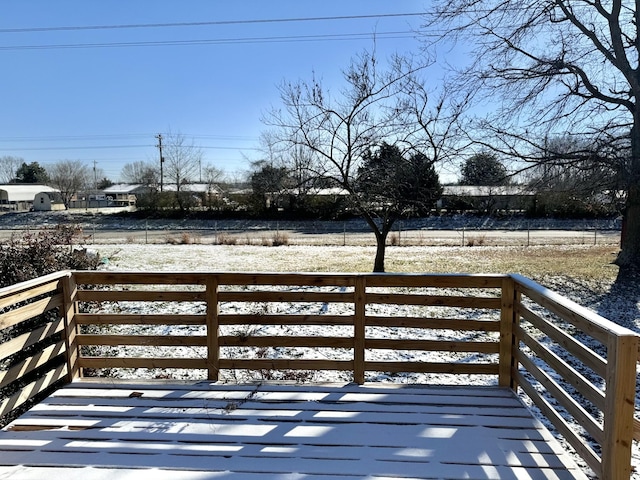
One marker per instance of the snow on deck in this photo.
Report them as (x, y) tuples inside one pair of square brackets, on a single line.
[(200, 430)]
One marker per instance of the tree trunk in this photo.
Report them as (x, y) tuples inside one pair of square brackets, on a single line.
[(381, 246), (629, 257)]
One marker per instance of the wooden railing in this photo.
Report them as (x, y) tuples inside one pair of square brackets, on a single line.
[(575, 366)]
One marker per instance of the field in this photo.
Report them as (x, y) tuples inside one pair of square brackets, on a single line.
[(579, 263)]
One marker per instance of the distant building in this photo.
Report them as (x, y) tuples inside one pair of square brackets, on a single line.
[(487, 199), (124, 194), (48, 202), (201, 193), (21, 197)]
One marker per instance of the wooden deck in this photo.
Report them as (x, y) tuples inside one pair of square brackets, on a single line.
[(203, 430)]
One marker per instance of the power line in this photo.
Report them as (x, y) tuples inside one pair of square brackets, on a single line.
[(220, 41), (66, 138), (107, 147), (208, 23)]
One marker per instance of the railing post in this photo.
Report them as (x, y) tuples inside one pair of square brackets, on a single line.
[(508, 322), (622, 352), (70, 307), (360, 299), (213, 329)]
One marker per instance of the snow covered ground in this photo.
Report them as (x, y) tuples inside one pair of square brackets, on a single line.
[(620, 304)]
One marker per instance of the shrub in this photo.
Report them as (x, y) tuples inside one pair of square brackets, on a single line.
[(36, 253), (226, 239), (279, 239), (185, 238), (476, 241)]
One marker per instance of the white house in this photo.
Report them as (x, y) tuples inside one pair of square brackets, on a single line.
[(123, 194)]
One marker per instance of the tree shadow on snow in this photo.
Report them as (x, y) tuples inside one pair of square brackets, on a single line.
[(621, 304)]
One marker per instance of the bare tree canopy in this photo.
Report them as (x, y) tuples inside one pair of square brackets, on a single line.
[(70, 177), (8, 168), (182, 160), (562, 67), (337, 130), (141, 172)]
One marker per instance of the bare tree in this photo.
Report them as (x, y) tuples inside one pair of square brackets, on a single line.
[(338, 131), (8, 167), (70, 177), (183, 161), (140, 172), (299, 162), (563, 67), (212, 176)]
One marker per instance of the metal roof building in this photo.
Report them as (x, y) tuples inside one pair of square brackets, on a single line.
[(18, 197)]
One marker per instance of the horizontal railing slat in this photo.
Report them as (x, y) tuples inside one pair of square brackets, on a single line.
[(587, 356), (285, 341), (433, 300), (147, 340), (567, 372), (142, 362), (139, 296), (26, 294), (463, 281), (28, 365), (586, 320), (13, 346), (281, 296), (200, 278), (25, 312), (285, 364), (433, 367), (139, 319), (432, 345), (457, 324), (272, 319)]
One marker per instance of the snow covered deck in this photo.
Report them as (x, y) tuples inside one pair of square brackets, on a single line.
[(103, 430), (499, 338)]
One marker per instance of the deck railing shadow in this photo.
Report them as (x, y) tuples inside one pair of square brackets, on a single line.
[(578, 368)]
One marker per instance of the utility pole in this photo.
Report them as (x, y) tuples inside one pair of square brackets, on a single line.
[(159, 137), (95, 182)]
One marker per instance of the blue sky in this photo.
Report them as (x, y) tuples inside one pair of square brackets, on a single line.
[(106, 103)]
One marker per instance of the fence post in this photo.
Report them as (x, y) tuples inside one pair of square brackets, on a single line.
[(622, 352), (213, 328), (70, 308), (360, 299), (508, 340)]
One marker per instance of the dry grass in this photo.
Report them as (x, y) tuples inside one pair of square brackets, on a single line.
[(588, 262), (575, 262)]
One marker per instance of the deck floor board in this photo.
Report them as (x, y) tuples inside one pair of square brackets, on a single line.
[(201, 430)]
